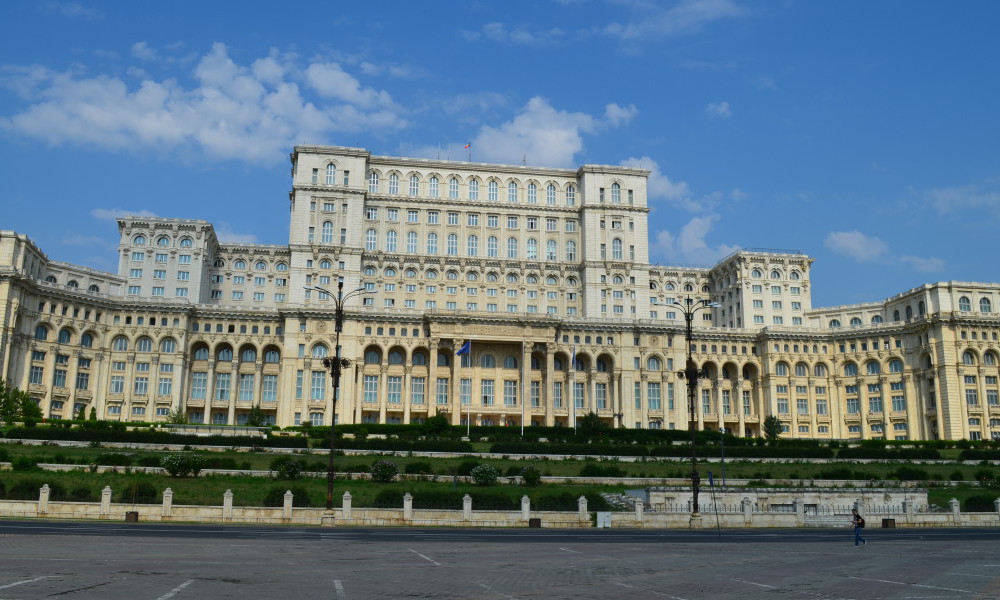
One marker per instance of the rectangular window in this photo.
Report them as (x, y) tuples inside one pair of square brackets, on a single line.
[(727, 402), (535, 393), (223, 383), (442, 390), (487, 391), (141, 387), (853, 406), (246, 387), (417, 390), (371, 389), (465, 391), (578, 394), (269, 391), (557, 394), (38, 374), (299, 375), (802, 406), (394, 389), (653, 395), (164, 386), (601, 392), (747, 406), (509, 393), (82, 380), (317, 385)]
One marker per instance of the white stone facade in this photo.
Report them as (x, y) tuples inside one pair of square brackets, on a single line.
[(532, 265)]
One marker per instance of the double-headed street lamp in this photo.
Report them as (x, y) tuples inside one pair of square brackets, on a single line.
[(691, 374), (336, 365)]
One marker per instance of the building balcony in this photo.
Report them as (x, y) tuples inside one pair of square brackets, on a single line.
[(84, 395), (195, 402), (60, 392)]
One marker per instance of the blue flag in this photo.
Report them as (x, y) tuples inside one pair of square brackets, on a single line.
[(465, 349)]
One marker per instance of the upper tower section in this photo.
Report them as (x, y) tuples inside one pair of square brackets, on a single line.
[(760, 288), (166, 258)]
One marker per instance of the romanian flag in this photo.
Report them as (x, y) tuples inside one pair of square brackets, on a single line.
[(467, 146)]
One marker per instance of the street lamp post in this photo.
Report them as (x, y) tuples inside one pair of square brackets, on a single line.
[(691, 374), (336, 366)]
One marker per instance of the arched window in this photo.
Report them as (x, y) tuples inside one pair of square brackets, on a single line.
[(570, 195), (411, 242), (551, 280), (373, 182), (396, 357), (414, 185), (653, 364), (688, 287), (87, 340), (873, 368), (602, 365), (320, 351), (144, 344), (331, 174), (819, 370), (325, 264), (393, 183), (72, 283), (834, 323), (201, 353), (491, 277), (511, 278), (616, 193), (371, 240), (985, 306), (801, 370), (850, 369), (168, 346), (964, 304), (775, 274), (509, 362), (532, 249), (65, 336), (616, 249), (272, 356), (163, 241), (432, 243), (472, 276), (557, 364), (895, 315), (119, 344), (260, 266), (452, 244), (219, 263), (531, 279), (240, 265), (617, 280), (390, 272), (488, 361), (327, 232), (512, 247), (93, 288), (372, 357), (453, 188), (433, 187), (139, 240), (968, 358), (855, 322), (551, 250), (550, 194), (909, 313), (895, 366), (431, 274), (248, 355), (756, 274), (990, 358), (876, 319), (511, 192), (794, 275), (781, 369), (444, 360), (391, 238), (473, 189), (492, 246), (186, 242), (419, 359), (452, 275), (570, 250), (472, 245), (225, 354), (369, 271)]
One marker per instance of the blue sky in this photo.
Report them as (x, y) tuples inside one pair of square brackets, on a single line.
[(864, 134)]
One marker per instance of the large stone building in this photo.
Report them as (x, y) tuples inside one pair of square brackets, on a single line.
[(545, 271)]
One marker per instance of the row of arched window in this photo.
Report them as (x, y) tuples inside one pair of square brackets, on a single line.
[(453, 275), (670, 286), (492, 189), (971, 357), (856, 321), (247, 353), (72, 283), (163, 241), (241, 265), (965, 305), (453, 246), (775, 274), (65, 336), (849, 368)]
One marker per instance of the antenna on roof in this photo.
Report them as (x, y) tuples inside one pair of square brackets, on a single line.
[(524, 160)]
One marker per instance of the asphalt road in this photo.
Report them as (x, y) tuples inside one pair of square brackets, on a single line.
[(72, 560)]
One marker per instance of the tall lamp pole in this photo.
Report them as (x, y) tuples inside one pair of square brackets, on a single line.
[(691, 374), (336, 365)]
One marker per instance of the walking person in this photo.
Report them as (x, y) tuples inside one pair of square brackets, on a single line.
[(859, 523)]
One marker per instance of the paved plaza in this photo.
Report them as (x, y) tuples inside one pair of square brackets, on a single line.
[(156, 562)]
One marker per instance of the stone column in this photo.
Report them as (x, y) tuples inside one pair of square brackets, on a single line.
[(430, 390), (581, 504), (547, 386), (407, 506), (43, 499), (800, 512), (286, 507), (407, 392), (467, 507), (227, 505), (955, 508), (234, 385), (996, 505), (639, 507), (168, 502), (106, 501), (747, 506), (525, 507), (346, 505)]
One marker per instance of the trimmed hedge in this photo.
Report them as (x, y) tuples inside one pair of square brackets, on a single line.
[(975, 454), (81, 434), (886, 454)]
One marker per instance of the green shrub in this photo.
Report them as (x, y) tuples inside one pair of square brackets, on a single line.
[(983, 503), (276, 496), (596, 470), (484, 475), (384, 471), (220, 462), (355, 468), (3, 489), (148, 461), (287, 467), (28, 489), (82, 494), (25, 464), (420, 467), (911, 474), (531, 475), (957, 475), (466, 466), (113, 459), (182, 465), (4, 455), (139, 492)]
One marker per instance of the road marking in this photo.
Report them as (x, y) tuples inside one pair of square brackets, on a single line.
[(972, 575), (496, 592), (932, 587), (10, 585), (650, 591), (568, 550), (763, 585), (176, 590), (339, 587), (436, 563)]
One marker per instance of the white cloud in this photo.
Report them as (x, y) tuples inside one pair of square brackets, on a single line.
[(985, 196), (924, 265), (71, 10), (689, 245), (517, 35), (619, 115), (856, 245), (718, 110), (226, 235), (113, 214), (231, 112), (142, 51), (657, 21), (660, 187)]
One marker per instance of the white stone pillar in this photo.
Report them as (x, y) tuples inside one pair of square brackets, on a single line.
[(996, 505), (800, 512), (525, 507), (106, 500), (346, 506), (954, 506), (639, 507), (168, 502), (43, 499), (581, 504), (407, 506), (908, 510), (747, 506), (227, 505), (286, 507), (467, 507)]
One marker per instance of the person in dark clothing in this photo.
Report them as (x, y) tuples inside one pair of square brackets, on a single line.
[(859, 523)]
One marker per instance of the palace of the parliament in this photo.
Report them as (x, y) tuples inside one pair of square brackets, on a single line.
[(545, 271)]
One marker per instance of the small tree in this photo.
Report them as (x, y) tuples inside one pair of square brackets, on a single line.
[(531, 475), (256, 416), (436, 425), (17, 405), (384, 471), (177, 417), (590, 426), (772, 428), (484, 475), (287, 467), (93, 414)]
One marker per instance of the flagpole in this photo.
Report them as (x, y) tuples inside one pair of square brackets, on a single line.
[(572, 386), (522, 388)]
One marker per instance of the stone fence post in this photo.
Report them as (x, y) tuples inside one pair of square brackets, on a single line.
[(996, 505), (168, 502), (747, 506), (908, 510), (286, 506), (407, 506), (43, 499), (639, 507), (346, 510), (800, 512), (106, 500), (955, 508), (581, 504), (227, 505), (467, 507), (525, 507)]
